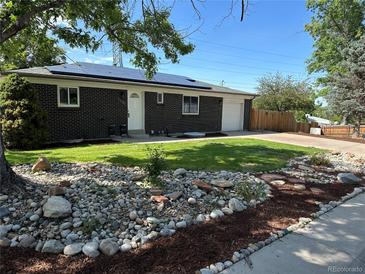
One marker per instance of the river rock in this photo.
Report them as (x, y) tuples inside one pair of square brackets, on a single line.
[(53, 246), (57, 207), (26, 241), (4, 211), (72, 249), (221, 183), (216, 213), (108, 247), (180, 172), (90, 249), (348, 178), (236, 205)]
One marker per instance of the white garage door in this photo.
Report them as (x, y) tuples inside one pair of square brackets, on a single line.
[(232, 116)]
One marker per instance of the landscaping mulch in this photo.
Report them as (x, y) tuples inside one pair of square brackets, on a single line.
[(194, 247)]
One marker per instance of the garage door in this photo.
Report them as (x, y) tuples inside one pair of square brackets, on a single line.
[(232, 116)]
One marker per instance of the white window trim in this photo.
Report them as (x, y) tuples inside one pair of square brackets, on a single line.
[(68, 105), (163, 98), (187, 113)]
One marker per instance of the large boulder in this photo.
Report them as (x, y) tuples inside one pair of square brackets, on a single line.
[(41, 165), (348, 178), (53, 246), (108, 247), (57, 207), (236, 205)]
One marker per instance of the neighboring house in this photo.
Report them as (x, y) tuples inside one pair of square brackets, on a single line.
[(86, 101)]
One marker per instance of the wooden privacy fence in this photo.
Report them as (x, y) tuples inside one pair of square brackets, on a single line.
[(341, 131), (277, 121)]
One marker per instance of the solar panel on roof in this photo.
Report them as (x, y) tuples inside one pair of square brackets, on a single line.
[(127, 74)]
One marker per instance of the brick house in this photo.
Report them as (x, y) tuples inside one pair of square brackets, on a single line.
[(86, 101)]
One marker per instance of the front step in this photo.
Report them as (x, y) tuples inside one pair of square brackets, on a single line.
[(139, 133)]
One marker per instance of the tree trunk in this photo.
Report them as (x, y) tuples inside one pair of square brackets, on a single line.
[(9, 181)]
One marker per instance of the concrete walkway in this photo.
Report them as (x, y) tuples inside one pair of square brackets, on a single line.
[(309, 141), (287, 138), (335, 240)]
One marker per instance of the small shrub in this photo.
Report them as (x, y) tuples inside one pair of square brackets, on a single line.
[(319, 159), (90, 226), (156, 162), (23, 121), (250, 190)]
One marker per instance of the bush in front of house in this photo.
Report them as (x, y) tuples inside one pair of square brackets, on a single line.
[(156, 162), (24, 123), (319, 159), (250, 190)]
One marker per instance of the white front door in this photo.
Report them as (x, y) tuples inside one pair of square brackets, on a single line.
[(232, 116), (135, 113)]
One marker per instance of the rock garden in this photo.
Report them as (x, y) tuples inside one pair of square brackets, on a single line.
[(112, 215)]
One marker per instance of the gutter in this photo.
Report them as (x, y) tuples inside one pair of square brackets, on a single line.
[(105, 80)]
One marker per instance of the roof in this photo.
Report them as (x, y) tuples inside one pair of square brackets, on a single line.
[(104, 73)]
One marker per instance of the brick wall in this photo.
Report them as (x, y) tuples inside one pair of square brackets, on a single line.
[(169, 115), (98, 109)]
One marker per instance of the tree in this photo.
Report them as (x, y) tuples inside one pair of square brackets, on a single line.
[(334, 24), (347, 88), (25, 50), (283, 93), (24, 124), (87, 23)]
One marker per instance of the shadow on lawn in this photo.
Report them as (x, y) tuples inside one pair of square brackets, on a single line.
[(220, 156)]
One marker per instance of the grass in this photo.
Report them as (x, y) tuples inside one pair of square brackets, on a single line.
[(236, 154)]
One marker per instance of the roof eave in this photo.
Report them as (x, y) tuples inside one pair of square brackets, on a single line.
[(105, 80)]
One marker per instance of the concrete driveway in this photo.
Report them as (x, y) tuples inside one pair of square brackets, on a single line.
[(309, 141), (334, 243)]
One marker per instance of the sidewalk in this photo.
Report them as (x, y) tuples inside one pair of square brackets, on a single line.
[(335, 240)]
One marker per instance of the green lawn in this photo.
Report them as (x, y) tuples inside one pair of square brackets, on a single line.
[(214, 154)]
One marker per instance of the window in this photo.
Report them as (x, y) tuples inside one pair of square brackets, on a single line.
[(159, 98), (68, 97), (191, 105)]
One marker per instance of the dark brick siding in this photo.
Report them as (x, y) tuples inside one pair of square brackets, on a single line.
[(169, 115), (99, 108)]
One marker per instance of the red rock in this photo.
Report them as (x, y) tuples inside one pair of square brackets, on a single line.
[(174, 195), (41, 165), (56, 191), (156, 191), (272, 177), (65, 183), (295, 180), (202, 185), (159, 198), (316, 190)]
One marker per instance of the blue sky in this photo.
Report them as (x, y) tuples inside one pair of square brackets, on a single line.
[(271, 38)]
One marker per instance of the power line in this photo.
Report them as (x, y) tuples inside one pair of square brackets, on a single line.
[(247, 49), (223, 70), (243, 66)]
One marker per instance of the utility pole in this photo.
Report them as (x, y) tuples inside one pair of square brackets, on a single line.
[(117, 55)]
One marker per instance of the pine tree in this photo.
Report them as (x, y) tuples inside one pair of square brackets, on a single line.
[(347, 88), (22, 119)]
